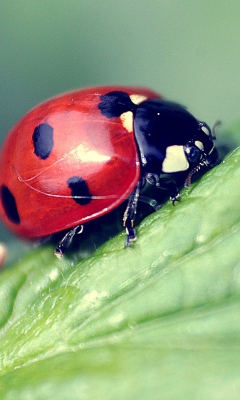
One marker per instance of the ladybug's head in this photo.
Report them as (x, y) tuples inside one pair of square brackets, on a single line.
[(201, 152), (171, 140)]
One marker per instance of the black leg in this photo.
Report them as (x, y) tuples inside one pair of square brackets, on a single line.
[(129, 215), (67, 240), (166, 184), (173, 192)]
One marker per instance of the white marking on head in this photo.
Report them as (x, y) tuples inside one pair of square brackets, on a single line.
[(199, 144), (175, 160), (206, 130)]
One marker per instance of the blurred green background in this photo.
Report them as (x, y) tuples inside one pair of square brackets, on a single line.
[(188, 50)]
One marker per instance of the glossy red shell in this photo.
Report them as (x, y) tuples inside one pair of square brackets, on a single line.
[(87, 144)]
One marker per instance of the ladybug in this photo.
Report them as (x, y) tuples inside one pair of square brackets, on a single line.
[(79, 155)]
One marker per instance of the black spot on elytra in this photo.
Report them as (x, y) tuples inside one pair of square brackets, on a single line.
[(113, 104), (80, 190), (43, 140), (9, 205)]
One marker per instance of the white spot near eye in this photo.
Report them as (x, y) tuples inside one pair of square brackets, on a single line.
[(199, 145), (127, 120), (175, 160), (137, 98), (205, 129)]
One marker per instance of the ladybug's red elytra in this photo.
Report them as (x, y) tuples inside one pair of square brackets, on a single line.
[(79, 155)]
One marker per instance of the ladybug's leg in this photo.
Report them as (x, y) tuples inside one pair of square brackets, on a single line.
[(170, 185), (129, 214), (166, 184), (67, 240)]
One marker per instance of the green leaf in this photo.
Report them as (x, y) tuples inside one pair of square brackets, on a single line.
[(156, 320)]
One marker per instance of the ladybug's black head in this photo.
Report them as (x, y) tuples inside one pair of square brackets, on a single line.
[(170, 139)]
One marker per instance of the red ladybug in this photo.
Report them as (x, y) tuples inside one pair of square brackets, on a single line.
[(77, 156)]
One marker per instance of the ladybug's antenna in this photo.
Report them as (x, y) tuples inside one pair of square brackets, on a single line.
[(188, 181), (215, 127)]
